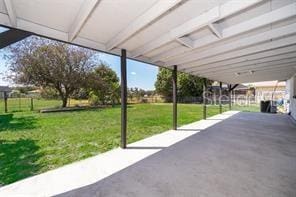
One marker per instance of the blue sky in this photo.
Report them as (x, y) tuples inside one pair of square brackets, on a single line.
[(139, 74)]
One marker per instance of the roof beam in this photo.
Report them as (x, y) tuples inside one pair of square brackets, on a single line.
[(211, 16), (245, 63), (251, 66), (157, 10), (246, 58), (239, 44), (281, 63), (257, 76), (216, 29), (260, 21), (186, 41), (85, 11), (43, 31), (284, 42), (264, 70), (176, 51), (233, 87), (11, 12), (12, 36)]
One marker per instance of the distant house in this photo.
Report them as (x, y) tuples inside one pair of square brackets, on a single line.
[(240, 89), (269, 90), (254, 92), (4, 90)]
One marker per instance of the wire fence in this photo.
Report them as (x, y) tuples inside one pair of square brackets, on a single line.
[(23, 104)]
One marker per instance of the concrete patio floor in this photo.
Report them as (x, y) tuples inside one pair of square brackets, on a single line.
[(249, 154), (232, 154)]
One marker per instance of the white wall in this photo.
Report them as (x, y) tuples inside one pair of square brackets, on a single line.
[(291, 90)]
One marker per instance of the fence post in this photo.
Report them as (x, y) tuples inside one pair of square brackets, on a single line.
[(32, 104), (5, 102), (20, 104)]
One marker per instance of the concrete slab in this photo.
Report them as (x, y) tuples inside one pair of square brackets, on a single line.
[(91, 171), (248, 154)]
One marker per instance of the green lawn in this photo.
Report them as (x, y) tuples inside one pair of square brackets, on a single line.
[(32, 142)]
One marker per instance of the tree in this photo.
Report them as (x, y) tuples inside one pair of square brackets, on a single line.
[(51, 64), (138, 93), (105, 84), (188, 85), (163, 84)]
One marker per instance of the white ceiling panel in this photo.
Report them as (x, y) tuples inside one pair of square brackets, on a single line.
[(210, 38), (178, 16), (170, 46), (56, 14), (2, 7), (111, 16)]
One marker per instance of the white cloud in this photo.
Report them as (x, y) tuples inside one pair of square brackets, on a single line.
[(133, 73)]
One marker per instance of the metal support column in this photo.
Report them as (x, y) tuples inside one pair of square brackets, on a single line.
[(174, 80), (229, 95), (204, 99), (220, 97), (230, 89), (123, 99)]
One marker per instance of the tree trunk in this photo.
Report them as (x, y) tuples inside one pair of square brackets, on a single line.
[(65, 101)]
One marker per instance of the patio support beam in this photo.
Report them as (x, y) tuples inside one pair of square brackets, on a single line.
[(254, 64), (274, 47), (204, 98), (186, 41), (12, 36), (123, 98), (216, 29), (152, 14), (211, 16), (174, 81), (244, 43), (230, 89), (259, 57), (233, 87), (220, 97), (251, 24), (229, 95)]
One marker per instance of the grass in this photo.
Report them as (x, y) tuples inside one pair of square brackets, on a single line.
[(32, 143)]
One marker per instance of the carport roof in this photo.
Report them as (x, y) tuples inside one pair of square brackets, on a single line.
[(232, 41)]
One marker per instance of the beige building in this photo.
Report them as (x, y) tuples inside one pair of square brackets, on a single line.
[(268, 90)]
